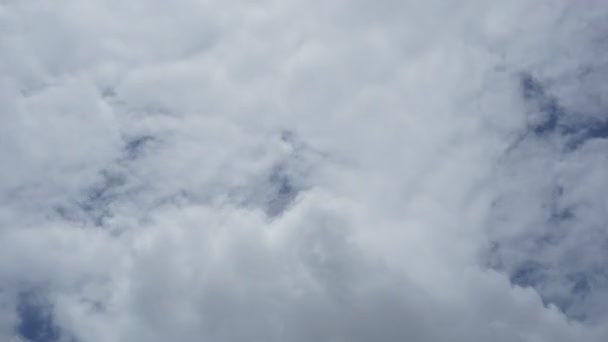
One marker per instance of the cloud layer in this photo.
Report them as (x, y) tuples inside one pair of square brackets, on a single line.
[(303, 170)]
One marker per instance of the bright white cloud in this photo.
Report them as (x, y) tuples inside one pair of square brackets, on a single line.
[(303, 170)]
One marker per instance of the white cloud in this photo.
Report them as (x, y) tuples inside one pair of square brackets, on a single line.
[(297, 171)]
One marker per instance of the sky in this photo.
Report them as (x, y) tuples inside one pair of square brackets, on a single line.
[(296, 171)]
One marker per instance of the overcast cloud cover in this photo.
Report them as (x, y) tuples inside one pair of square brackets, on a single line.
[(296, 171)]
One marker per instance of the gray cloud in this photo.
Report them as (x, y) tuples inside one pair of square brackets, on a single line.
[(297, 171)]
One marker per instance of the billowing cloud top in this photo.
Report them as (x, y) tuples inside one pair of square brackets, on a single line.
[(299, 171)]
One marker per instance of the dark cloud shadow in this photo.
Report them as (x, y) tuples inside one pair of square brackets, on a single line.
[(135, 147), (534, 93), (283, 191)]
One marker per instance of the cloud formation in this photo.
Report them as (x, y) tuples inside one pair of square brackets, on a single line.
[(303, 170)]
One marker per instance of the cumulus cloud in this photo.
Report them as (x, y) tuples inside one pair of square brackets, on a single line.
[(303, 170)]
